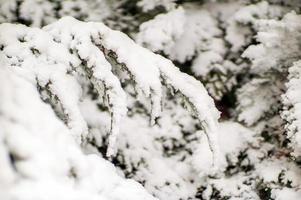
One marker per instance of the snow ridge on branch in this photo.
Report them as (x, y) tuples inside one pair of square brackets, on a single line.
[(63, 51)]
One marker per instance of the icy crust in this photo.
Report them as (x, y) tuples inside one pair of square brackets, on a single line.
[(292, 111), (55, 56), (39, 157)]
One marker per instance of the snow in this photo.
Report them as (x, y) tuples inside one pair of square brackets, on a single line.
[(291, 113), (196, 36), (189, 87), (233, 137), (202, 65), (161, 32), (56, 65), (48, 69), (256, 98), (286, 193), (38, 140), (39, 17), (101, 74), (148, 5), (78, 97), (181, 32), (132, 57), (38, 13), (269, 54)]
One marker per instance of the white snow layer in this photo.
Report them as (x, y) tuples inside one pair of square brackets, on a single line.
[(52, 60), (41, 160), (292, 109)]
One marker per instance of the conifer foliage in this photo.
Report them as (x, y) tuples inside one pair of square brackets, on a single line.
[(56, 57), (121, 99)]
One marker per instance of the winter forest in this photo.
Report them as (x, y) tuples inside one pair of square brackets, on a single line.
[(150, 100)]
